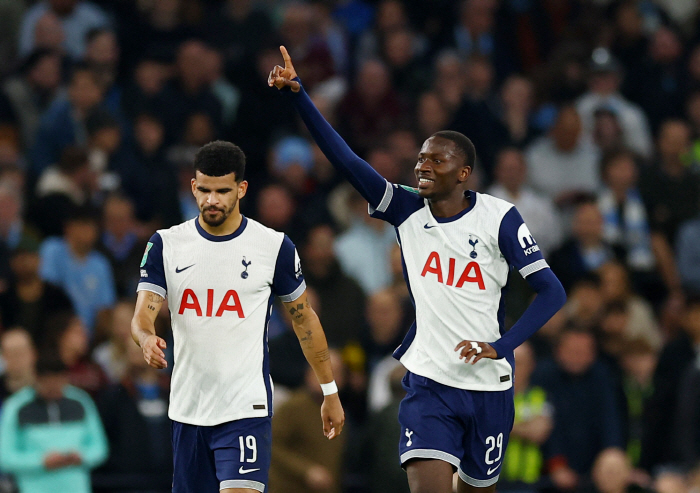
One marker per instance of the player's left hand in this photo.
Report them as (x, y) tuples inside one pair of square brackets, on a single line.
[(476, 349), (332, 415)]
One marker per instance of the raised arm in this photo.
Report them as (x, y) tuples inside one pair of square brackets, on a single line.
[(358, 172), (315, 347)]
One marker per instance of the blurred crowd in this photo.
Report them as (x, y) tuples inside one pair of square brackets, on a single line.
[(584, 113)]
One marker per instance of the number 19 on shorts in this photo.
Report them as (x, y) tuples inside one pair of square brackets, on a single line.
[(248, 447)]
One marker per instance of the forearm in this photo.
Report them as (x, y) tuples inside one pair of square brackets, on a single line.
[(549, 300), (314, 345), (359, 173), (663, 254), (143, 323)]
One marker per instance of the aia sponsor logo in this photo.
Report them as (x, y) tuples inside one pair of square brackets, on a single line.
[(229, 303), (471, 273)]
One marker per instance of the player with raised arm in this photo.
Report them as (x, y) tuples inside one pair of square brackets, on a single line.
[(220, 272), (457, 249)]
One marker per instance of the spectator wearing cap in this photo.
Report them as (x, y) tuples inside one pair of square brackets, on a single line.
[(86, 275), (604, 84), (77, 17), (63, 124), (31, 91), (51, 435), (30, 301), (68, 184)]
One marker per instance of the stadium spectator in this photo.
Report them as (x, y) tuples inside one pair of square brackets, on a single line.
[(432, 114), (341, 297), (514, 114), (30, 92), (363, 249), (401, 51), (238, 28), (612, 473), (120, 243), (671, 191), (371, 108), (384, 315), (13, 227), (641, 322), (111, 355), (674, 360), (67, 337), (688, 256), (302, 459), (152, 184), (104, 146), (564, 163), (276, 208), (51, 435), (188, 93), (585, 304), (19, 355), (134, 412), (69, 184), (102, 56), (604, 91), (586, 249), (638, 361), (607, 132), (30, 302), (539, 212), (586, 415), (384, 474), (77, 18), (63, 123), (686, 433), (291, 162), (72, 263), (141, 90), (533, 425), (228, 95)]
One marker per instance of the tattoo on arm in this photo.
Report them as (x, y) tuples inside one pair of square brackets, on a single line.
[(298, 311), (154, 298), (307, 341), (324, 355)]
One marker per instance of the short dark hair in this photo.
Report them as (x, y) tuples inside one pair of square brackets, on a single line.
[(220, 158), (464, 145), (73, 159), (50, 364)]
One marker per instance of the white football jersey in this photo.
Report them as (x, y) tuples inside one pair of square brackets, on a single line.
[(220, 291), (456, 269)]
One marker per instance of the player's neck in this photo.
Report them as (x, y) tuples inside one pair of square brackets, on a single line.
[(232, 223), (451, 205)]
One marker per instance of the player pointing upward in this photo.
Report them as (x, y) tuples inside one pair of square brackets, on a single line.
[(457, 249), (219, 272)]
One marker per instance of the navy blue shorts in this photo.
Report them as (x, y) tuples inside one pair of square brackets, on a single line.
[(230, 455), (467, 428)]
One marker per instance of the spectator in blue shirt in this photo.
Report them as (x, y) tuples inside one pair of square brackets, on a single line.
[(85, 274), (77, 17)]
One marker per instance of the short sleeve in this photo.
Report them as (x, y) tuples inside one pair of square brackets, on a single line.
[(152, 269), (288, 282), (398, 203), (518, 246)]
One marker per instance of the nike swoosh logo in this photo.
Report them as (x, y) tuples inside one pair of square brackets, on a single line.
[(428, 227), (491, 471), (177, 271), (246, 471)]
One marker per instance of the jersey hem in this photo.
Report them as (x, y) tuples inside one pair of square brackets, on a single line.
[(263, 413), (458, 385), (477, 483), (242, 483)]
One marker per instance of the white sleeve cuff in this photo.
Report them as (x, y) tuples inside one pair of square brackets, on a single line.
[(386, 200), (153, 288), (533, 267), (287, 298)]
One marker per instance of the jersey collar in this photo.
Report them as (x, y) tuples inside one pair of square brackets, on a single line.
[(211, 237), (471, 195)]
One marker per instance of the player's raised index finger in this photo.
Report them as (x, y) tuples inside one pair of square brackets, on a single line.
[(286, 57)]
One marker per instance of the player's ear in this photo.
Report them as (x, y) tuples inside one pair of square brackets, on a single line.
[(465, 173), (193, 182), (242, 189)]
